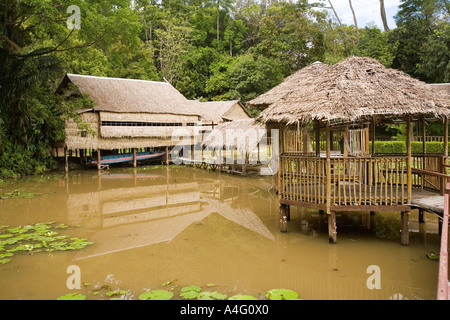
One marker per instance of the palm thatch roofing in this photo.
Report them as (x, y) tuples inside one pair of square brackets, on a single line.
[(117, 95), (243, 135), (219, 111), (130, 95), (355, 89)]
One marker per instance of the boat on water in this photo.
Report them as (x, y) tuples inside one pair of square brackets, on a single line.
[(127, 157)]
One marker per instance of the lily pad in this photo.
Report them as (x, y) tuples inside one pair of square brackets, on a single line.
[(281, 294), (72, 296), (191, 288), (116, 292), (205, 295), (190, 292), (242, 297), (30, 238), (156, 295)]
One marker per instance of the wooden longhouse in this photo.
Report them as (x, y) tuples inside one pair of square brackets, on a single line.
[(326, 117), (135, 115)]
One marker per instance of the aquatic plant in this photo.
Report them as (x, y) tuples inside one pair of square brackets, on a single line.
[(72, 296), (36, 238), (281, 294), (190, 292), (156, 295), (17, 194), (433, 256), (116, 292), (211, 295), (242, 297)]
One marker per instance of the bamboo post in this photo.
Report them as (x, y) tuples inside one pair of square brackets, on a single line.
[(346, 134), (328, 194), (444, 159), (373, 134), (446, 137), (98, 159), (317, 128), (134, 158), (409, 160)]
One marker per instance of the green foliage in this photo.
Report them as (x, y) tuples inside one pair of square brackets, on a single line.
[(156, 295), (399, 147), (208, 49), (422, 39), (281, 294)]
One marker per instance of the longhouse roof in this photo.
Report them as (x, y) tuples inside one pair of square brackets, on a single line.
[(130, 95)]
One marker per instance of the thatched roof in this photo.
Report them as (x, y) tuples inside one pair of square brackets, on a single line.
[(298, 79), (242, 135), (218, 111), (130, 95), (116, 95), (352, 90), (443, 87)]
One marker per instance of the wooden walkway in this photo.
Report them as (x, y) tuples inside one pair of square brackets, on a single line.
[(430, 201), (435, 203)]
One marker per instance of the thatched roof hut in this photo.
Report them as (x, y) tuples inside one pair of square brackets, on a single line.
[(131, 113), (129, 95), (355, 89)]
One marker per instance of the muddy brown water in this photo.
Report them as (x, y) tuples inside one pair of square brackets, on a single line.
[(153, 224)]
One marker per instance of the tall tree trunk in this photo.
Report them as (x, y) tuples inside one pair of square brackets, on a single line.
[(218, 18), (383, 16), (354, 19), (340, 23)]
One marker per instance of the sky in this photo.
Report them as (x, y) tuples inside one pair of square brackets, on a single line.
[(366, 11)]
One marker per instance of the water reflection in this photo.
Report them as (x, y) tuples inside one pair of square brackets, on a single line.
[(150, 225), (146, 214)]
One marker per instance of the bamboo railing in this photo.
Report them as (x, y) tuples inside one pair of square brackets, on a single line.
[(354, 181)]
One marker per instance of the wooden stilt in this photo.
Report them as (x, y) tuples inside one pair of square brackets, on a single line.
[(283, 218), (421, 216), (134, 158), (167, 155), (405, 228), (332, 232), (288, 216), (66, 157), (99, 159)]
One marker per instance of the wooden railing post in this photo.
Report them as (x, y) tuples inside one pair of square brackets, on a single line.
[(409, 153), (443, 283), (328, 194)]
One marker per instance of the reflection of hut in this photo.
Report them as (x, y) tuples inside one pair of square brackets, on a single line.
[(329, 101), (127, 218), (135, 114)]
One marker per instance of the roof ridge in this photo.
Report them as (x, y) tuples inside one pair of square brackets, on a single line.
[(113, 78)]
